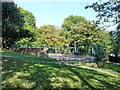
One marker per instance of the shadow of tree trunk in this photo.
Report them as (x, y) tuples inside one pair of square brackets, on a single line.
[(85, 82)]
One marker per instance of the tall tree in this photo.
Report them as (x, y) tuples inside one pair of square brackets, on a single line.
[(86, 34), (109, 12), (12, 24), (29, 25), (50, 36), (69, 23)]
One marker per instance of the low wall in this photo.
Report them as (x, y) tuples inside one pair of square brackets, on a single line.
[(41, 52)]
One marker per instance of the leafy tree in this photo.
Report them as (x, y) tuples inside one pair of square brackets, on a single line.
[(50, 36), (69, 23), (29, 25), (11, 24), (107, 42), (86, 34), (29, 20), (109, 12)]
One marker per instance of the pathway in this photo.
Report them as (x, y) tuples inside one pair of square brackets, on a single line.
[(65, 64)]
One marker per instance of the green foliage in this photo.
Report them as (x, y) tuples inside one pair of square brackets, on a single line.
[(50, 36), (86, 34), (71, 21), (109, 12), (29, 23), (108, 45), (29, 20), (16, 24), (11, 24), (115, 40)]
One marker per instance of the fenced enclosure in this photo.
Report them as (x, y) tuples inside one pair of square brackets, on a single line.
[(71, 54), (74, 50)]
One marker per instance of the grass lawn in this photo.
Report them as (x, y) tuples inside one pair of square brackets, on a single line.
[(11, 53), (108, 66), (18, 73)]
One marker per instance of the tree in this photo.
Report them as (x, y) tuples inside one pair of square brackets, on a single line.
[(109, 12), (29, 25), (69, 23), (86, 34), (50, 36), (12, 24)]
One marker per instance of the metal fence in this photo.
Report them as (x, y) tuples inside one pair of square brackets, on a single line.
[(75, 50)]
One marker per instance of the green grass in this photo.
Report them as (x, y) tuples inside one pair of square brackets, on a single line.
[(18, 73), (11, 53), (108, 66)]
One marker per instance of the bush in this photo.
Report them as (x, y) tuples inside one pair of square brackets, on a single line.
[(114, 59)]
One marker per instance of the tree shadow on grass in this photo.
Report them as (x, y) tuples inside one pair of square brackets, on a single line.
[(86, 75), (81, 77), (91, 74), (23, 75), (36, 75), (111, 66)]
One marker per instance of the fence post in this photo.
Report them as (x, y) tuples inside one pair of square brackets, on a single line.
[(92, 49), (75, 48), (100, 50), (55, 48), (96, 49), (69, 49), (59, 49)]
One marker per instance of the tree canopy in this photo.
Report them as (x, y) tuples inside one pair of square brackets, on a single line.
[(15, 22), (70, 21), (11, 24), (109, 12), (50, 36), (29, 25)]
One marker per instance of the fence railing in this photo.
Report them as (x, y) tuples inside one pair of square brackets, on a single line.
[(75, 50)]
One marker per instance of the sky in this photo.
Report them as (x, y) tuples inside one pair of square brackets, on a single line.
[(53, 12)]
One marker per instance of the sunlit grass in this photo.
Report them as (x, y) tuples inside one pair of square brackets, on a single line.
[(108, 66), (19, 73), (11, 53)]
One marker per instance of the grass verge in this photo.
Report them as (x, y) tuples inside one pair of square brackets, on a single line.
[(108, 66)]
